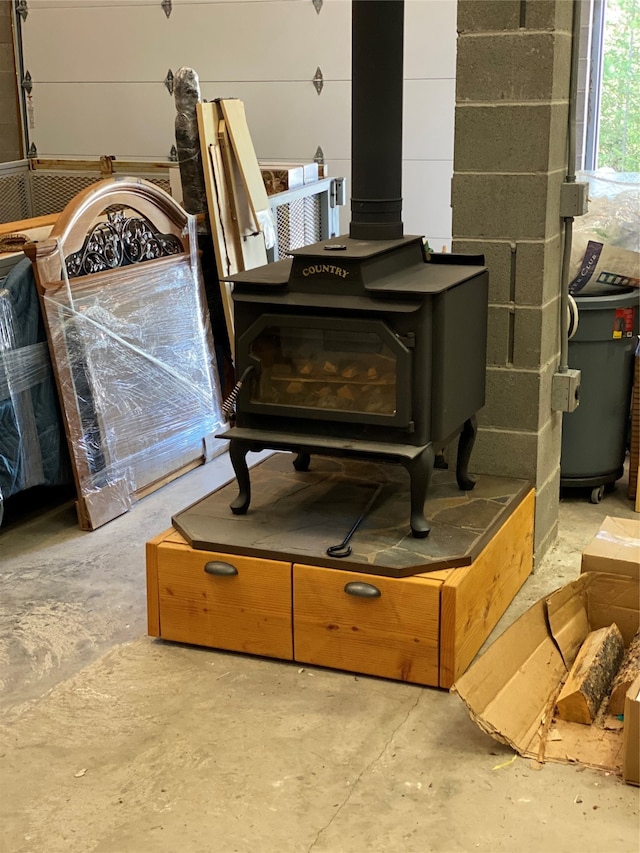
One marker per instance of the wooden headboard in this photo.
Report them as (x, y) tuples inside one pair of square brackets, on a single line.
[(123, 300)]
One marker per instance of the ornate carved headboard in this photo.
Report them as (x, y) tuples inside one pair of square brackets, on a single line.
[(122, 240), (159, 228), (129, 334)]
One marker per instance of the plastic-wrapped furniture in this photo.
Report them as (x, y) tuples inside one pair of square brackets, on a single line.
[(33, 449), (129, 334)]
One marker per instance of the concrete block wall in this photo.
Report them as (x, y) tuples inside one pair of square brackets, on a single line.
[(10, 133), (510, 159)]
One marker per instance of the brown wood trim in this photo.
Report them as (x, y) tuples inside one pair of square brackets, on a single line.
[(153, 596), (104, 165), (394, 635), (250, 612), (95, 507), (474, 598), (21, 225), (169, 478), (81, 213), (175, 538)]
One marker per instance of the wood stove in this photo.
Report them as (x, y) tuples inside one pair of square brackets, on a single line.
[(363, 345)]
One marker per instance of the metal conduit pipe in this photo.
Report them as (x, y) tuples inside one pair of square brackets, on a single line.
[(570, 178)]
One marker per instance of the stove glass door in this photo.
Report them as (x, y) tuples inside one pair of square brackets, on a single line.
[(328, 368)]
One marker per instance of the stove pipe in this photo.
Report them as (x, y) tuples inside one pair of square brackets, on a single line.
[(376, 119)]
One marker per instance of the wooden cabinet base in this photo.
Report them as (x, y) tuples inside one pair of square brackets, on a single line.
[(425, 629)]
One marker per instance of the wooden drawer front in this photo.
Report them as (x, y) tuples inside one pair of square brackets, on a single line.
[(394, 635), (246, 612)]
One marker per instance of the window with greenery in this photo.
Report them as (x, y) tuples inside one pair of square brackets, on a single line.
[(619, 131)]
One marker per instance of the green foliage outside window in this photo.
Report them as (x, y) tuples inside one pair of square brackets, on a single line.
[(619, 139)]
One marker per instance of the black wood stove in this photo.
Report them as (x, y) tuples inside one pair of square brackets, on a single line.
[(363, 345)]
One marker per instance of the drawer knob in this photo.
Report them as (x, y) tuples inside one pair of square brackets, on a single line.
[(362, 590), (224, 570)]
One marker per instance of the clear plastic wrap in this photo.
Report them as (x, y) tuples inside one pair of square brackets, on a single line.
[(20, 371), (606, 241), (32, 447), (135, 362)]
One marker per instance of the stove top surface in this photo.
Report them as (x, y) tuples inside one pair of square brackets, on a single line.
[(345, 247), (385, 267)]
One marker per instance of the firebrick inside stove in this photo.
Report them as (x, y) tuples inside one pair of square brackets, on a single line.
[(360, 348)]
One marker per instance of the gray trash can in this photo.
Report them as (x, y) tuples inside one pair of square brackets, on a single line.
[(594, 436)]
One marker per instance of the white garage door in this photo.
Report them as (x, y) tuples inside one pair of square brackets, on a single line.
[(98, 68)]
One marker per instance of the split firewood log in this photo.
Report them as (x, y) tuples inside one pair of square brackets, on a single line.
[(323, 392), (626, 675), (346, 392), (591, 675), (350, 372)]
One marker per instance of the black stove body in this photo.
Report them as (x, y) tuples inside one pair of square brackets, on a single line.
[(363, 345), (358, 348)]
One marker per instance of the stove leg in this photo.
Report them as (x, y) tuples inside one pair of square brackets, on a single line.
[(420, 470), (302, 461), (238, 450), (465, 445)]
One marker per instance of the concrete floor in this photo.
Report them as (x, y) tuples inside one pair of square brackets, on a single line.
[(115, 743)]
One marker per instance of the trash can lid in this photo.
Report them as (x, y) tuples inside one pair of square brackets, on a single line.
[(600, 290)]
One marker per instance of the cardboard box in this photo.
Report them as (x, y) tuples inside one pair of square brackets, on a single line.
[(280, 177), (631, 739), (634, 445), (615, 548), (512, 689)]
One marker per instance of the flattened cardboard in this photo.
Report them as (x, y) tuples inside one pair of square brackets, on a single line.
[(510, 692), (615, 548), (631, 740)]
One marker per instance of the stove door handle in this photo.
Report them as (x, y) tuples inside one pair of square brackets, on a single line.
[(225, 570), (362, 590)]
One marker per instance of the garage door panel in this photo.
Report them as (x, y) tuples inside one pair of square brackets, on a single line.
[(279, 40), (426, 208), (262, 51), (428, 119), (39, 5), (120, 44), (291, 117), (267, 41), (427, 199), (78, 119), (130, 121), (242, 40), (430, 38)]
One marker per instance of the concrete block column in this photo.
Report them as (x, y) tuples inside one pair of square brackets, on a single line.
[(510, 159)]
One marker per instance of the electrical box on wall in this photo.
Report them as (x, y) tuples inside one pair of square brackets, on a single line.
[(574, 199), (565, 391)]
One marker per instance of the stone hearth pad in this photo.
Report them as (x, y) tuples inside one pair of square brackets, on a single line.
[(296, 516)]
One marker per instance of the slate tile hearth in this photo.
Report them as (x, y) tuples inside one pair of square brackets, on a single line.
[(298, 515)]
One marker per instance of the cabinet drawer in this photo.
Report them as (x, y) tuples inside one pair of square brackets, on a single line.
[(381, 626), (227, 602)]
